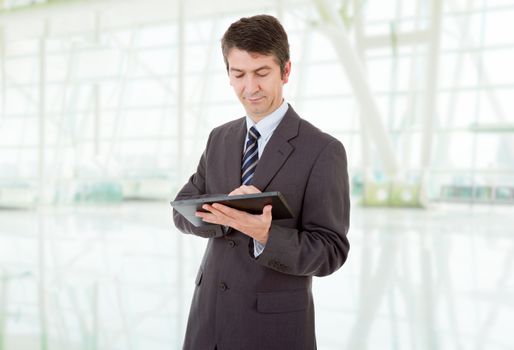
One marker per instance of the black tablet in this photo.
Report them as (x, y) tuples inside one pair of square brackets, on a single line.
[(251, 203)]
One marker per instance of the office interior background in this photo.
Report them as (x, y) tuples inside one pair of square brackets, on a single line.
[(105, 108)]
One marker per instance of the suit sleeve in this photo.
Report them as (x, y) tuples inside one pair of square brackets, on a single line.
[(319, 246), (195, 188)]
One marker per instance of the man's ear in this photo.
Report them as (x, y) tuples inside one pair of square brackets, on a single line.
[(287, 71)]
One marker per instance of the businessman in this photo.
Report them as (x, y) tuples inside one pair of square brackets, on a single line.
[(253, 287)]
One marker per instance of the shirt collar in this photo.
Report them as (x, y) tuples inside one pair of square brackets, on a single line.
[(269, 123)]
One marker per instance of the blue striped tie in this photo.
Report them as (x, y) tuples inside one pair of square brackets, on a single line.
[(251, 156)]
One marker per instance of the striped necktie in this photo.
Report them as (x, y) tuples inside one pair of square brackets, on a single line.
[(251, 156)]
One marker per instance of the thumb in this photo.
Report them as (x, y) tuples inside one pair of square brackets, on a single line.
[(267, 211)]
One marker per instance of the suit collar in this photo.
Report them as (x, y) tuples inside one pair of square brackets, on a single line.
[(288, 127), (277, 150)]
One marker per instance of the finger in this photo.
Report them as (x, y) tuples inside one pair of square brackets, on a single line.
[(212, 209), (253, 189), (207, 217), (201, 214), (237, 191), (250, 189), (227, 211), (266, 212), (215, 216), (225, 215)]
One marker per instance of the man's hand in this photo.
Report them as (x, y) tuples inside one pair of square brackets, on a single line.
[(255, 226), (244, 190)]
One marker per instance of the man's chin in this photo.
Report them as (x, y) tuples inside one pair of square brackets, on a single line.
[(253, 110)]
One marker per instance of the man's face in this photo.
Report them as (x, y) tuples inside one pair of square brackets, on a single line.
[(257, 81)]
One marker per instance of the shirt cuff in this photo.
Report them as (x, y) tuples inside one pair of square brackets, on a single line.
[(258, 248)]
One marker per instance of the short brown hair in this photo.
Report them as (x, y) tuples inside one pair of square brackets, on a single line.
[(261, 34)]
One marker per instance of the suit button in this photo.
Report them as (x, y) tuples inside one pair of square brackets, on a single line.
[(223, 287), (231, 244)]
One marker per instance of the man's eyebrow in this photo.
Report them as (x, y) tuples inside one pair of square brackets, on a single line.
[(232, 69)]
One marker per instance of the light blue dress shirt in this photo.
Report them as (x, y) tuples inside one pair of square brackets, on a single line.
[(266, 126)]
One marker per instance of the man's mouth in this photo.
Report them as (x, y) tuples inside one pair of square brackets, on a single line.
[(254, 99)]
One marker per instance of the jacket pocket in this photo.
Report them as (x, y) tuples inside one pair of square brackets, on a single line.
[(280, 302), (198, 278)]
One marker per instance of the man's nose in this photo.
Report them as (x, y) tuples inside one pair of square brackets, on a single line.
[(252, 85)]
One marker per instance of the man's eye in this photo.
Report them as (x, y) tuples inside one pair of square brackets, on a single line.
[(261, 74), (239, 76)]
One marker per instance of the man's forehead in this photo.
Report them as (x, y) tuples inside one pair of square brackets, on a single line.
[(261, 55), (239, 59), (253, 54)]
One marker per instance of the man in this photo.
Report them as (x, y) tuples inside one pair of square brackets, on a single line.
[(253, 288)]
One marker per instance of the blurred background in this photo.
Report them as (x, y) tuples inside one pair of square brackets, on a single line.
[(105, 108)]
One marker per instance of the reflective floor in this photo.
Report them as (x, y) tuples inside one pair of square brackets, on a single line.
[(121, 277)]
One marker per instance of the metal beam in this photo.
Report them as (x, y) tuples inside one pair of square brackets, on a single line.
[(301, 67), (493, 127), (96, 93), (180, 87), (42, 114), (432, 81), (118, 120), (65, 123), (399, 39), (336, 33), (367, 171), (3, 308), (181, 55), (413, 95), (205, 82), (2, 72), (42, 281), (41, 290)]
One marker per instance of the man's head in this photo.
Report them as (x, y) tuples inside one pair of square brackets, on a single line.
[(261, 34), (256, 54)]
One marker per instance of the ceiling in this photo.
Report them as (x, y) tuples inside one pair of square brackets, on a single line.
[(63, 16)]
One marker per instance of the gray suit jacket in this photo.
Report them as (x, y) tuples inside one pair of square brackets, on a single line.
[(246, 303)]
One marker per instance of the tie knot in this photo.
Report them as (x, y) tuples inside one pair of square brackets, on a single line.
[(254, 133)]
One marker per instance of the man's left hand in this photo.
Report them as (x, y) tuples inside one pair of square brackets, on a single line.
[(255, 226)]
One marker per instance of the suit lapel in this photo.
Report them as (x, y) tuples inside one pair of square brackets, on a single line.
[(234, 153), (277, 150)]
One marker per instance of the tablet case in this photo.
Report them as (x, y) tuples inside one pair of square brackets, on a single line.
[(251, 203)]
